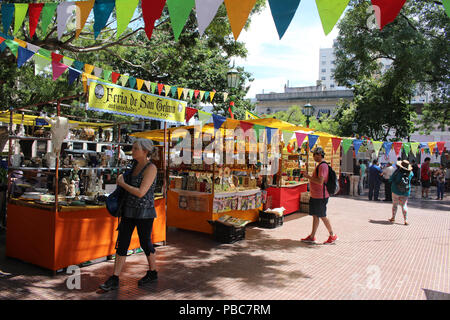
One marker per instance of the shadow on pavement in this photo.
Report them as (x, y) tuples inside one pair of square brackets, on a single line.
[(436, 295)]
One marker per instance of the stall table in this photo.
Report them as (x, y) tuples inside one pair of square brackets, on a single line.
[(70, 236), (287, 196)]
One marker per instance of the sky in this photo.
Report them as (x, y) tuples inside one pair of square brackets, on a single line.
[(295, 58)]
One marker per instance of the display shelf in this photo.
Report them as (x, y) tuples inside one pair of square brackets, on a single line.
[(69, 140)]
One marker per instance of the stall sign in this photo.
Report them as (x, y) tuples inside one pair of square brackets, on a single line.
[(110, 98)]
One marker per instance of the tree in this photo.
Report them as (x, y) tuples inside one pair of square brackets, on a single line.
[(417, 45)]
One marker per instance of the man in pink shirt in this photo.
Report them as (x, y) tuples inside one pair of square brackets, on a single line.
[(319, 197)]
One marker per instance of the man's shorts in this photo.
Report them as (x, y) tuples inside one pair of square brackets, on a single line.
[(426, 184), (318, 207)]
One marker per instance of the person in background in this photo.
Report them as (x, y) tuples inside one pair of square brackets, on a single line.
[(387, 173), (354, 179), (425, 177), (319, 197), (440, 182), (374, 180), (401, 189), (362, 175), (415, 180)]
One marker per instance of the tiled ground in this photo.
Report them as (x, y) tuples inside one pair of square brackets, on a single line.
[(372, 260)]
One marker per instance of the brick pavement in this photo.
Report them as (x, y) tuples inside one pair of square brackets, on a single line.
[(373, 260)]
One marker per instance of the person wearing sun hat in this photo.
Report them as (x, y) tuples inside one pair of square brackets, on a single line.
[(401, 188)]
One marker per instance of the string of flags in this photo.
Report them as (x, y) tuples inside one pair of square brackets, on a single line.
[(25, 51), (238, 12)]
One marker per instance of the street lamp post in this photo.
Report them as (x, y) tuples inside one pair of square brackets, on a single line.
[(308, 111), (233, 83)]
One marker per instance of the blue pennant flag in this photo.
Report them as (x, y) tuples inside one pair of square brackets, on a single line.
[(132, 82), (102, 12), (218, 121), (23, 56), (387, 146), (282, 12), (312, 139), (78, 65), (7, 16), (73, 75), (270, 132), (357, 144)]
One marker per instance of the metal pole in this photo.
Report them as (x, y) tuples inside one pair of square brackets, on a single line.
[(58, 112)]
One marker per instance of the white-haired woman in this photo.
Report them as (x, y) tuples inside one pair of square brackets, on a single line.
[(138, 211)]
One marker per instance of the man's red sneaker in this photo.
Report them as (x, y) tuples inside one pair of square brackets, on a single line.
[(309, 239), (331, 239)]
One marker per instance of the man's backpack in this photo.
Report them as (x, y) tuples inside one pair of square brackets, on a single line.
[(332, 183), (403, 182)]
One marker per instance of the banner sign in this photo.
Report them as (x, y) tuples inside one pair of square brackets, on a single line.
[(111, 98)]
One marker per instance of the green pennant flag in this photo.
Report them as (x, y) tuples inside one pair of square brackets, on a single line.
[(257, 129), (204, 117), (45, 53), (47, 14), (40, 63), (330, 12), (107, 75), (13, 46), (179, 12), (346, 144), (407, 147), (415, 147), (153, 86), (124, 11), (446, 4), (287, 136), (191, 93), (124, 80), (377, 146), (20, 13)]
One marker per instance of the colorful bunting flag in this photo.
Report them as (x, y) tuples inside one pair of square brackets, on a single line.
[(84, 8), (88, 68), (114, 77), (160, 88), (124, 11), (151, 11), (7, 16), (377, 146), (336, 142), (414, 147), (179, 13), (312, 139), (330, 12), (356, 145), (282, 13), (440, 146), (47, 15), (387, 147), (204, 117), (34, 13), (56, 57), (270, 132), (139, 83), (431, 145), (124, 80), (346, 144), (132, 82), (211, 95), (73, 75), (300, 138), (238, 12), (13, 46), (189, 113), (63, 14), (287, 136), (58, 69), (407, 148), (206, 95), (218, 121), (249, 115), (202, 93), (245, 125), (102, 12), (397, 147), (446, 4), (23, 56), (153, 86), (180, 92), (257, 128), (205, 11), (324, 141), (40, 63), (386, 10)]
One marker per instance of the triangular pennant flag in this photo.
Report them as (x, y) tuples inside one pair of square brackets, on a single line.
[(246, 125), (160, 87), (167, 89), (300, 138), (190, 113), (431, 145), (312, 139), (205, 11), (153, 86), (414, 147), (21, 43), (78, 65), (196, 92), (40, 63), (114, 77), (211, 95), (132, 82), (387, 10), (48, 12), (45, 53), (58, 69), (63, 14), (191, 93), (206, 95), (356, 145), (202, 93), (34, 13), (258, 129), (336, 142), (23, 56), (151, 11), (387, 147), (179, 12), (7, 16), (238, 12), (446, 4), (270, 133), (324, 141), (56, 57), (124, 80), (287, 136), (139, 83), (185, 92), (107, 75), (282, 13), (407, 148), (13, 46), (3, 39), (33, 48), (330, 12), (377, 146), (84, 8), (124, 12), (73, 75), (180, 92), (218, 121), (440, 146), (102, 12), (68, 61), (149, 86), (225, 96), (88, 68), (204, 117), (346, 144), (397, 147)]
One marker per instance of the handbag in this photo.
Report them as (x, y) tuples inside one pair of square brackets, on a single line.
[(115, 200)]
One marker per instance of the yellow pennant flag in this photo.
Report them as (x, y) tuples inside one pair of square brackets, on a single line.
[(83, 9), (211, 95), (167, 89), (431, 145), (249, 115), (21, 43), (88, 68), (238, 12), (202, 93), (180, 92), (139, 83)]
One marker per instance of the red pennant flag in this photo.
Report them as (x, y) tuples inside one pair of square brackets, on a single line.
[(160, 87), (2, 39), (151, 11), (114, 77), (230, 109), (397, 147), (58, 69), (336, 142), (441, 146), (245, 125), (387, 10), (190, 113), (196, 92), (34, 11), (57, 57)]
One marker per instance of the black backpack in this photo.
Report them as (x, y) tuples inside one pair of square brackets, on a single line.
[(332, 183), (403, 182)]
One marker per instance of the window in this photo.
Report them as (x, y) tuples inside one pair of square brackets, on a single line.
[(324, 62), (324, 70), (333, 62), (78, 146), (324, 78), (331, 85)]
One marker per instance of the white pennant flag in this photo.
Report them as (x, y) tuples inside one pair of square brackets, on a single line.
[(63, 13), (148, 85), (206, 11), (225, 96), (40, 64), (98, 72), (32, 47)]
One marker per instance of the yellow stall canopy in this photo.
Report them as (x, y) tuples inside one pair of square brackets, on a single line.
[(30, 120)]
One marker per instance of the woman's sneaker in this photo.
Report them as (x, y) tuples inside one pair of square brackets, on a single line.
[(111, 284), (309, 239), (331, 239), (151, 275)]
